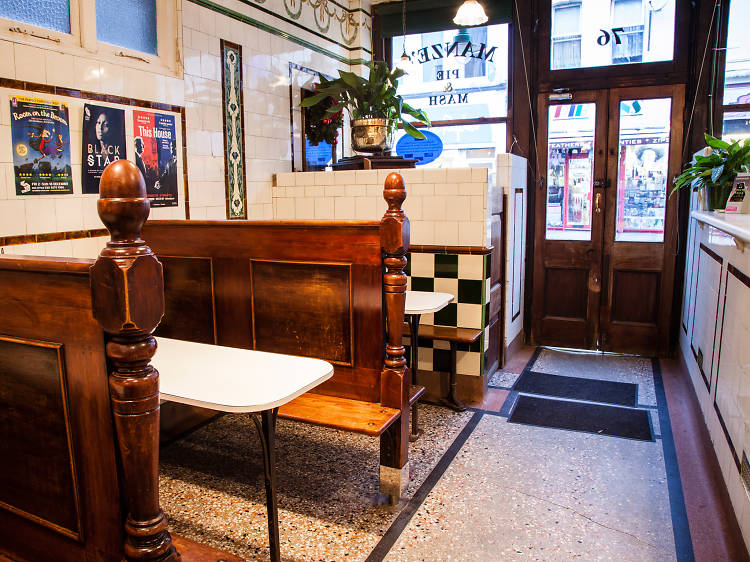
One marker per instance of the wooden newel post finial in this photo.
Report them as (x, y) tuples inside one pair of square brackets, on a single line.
[(127, 290), (394, 239)]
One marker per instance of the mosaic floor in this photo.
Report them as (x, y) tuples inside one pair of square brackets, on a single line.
[(503, 491)]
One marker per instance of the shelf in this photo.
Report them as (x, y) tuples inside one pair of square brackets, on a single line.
[(737, 226)]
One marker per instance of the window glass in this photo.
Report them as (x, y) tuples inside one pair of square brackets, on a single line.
[(737, 69), (464, 146), (642, 170), (137, 31), (51, 14), (611, 32), (457, 76), (736, 125), (570, 179)]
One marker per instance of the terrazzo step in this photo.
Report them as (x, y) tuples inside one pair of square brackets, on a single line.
[(340, 413)]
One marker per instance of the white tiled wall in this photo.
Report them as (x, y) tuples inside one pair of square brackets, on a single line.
[(266, 77), (444, 206)]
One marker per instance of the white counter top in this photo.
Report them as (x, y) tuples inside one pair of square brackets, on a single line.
[(736, 225)]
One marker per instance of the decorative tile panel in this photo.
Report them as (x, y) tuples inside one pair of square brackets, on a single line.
[(234, 127)]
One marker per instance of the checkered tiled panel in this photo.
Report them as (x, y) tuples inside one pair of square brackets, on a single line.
[(465, 277)]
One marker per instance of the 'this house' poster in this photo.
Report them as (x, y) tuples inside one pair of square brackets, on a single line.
[(41, 146), (155, 149), (103, 142)]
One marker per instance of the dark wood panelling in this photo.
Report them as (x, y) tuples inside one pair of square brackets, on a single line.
[(303, 309), (37, 472), (49, 299), (565, 292), (189, 302), (231, 293), (635, 296)]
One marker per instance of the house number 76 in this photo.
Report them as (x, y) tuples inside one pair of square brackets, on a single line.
[(604, 38)]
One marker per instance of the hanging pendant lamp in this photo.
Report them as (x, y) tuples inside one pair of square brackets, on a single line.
[(405, 62), (470, 13)]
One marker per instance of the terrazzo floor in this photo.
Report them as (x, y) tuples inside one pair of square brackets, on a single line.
[(512, 491)]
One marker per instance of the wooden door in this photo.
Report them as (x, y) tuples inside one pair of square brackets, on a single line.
[(568, 230), (640, 234), (605, 231)]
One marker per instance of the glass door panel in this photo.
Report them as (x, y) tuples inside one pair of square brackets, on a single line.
[(643, 157), (570, 179)]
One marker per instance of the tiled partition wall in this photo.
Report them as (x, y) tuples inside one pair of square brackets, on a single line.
[(276, 37), (713, 337)]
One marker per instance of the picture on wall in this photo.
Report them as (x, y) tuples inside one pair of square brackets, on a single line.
[(155, 150), (103, 142), (41, 146)]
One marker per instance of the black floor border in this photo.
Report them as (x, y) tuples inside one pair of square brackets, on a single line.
[(681, 528), (390, 537)]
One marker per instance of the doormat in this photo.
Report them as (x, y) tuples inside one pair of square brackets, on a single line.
[(579, 416), (576, 388)]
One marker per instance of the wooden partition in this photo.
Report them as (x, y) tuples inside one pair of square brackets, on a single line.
[(303, 288)]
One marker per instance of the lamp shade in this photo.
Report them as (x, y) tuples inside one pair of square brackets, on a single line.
[(470, 13)]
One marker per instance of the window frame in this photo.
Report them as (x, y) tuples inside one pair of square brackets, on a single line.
[(384, 51), (82, 40), (621, 75), (720, 108)]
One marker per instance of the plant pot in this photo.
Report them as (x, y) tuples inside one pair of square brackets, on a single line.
[(716, 196), (371, 135)]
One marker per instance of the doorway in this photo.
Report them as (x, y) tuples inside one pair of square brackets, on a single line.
[(605, 226)]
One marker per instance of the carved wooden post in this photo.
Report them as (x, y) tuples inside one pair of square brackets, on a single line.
[(394, 380), (127, 290)]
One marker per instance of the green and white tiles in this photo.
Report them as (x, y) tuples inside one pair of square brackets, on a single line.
[(466, 277), (234, 149)]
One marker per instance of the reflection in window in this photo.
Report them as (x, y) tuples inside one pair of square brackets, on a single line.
[(604, 33), (566, 35), (570, 159), (736, 125), (136, 31), (642, 170), (627, 45), (50, 14), (737, 69)]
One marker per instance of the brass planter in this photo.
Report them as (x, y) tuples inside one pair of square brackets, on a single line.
[(371, 135)]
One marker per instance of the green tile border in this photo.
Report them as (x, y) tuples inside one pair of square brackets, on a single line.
[(209, 4)]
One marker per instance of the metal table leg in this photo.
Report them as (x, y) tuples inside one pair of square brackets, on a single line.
[(266, 427), (452, 400), (414, 339)]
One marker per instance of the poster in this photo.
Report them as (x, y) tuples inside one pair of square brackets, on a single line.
[(155, 149), (41, 146), (103, 142)]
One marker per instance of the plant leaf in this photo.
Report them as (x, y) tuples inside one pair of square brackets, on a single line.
[(413, 131), (713, 142)]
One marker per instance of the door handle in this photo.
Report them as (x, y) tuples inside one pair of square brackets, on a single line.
[(597, 200)]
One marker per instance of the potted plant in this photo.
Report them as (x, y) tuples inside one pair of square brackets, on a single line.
[(715, 171), (374, 106)]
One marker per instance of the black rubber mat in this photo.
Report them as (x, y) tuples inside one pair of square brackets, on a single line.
[(579, 416), (576, 388)]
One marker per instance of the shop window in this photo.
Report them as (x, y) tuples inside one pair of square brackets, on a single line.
[(595, 34), (49, 14), (735, 110), (460, 80), (125, 32), (137, 31)]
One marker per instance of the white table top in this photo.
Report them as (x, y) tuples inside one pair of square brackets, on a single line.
[(424, 302), (737, 225), (231, 379)]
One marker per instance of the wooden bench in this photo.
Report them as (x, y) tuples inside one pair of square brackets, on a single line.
[(454, 336), (79, 402), (334, 290)]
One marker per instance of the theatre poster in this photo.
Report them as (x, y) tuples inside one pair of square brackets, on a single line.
[(103, 142), (155, 153), (41, 146)]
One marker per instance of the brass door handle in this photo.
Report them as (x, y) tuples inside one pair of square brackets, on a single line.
[(597, 200)]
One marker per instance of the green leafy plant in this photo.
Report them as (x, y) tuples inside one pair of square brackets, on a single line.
[(718, 168), (371, 97)]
